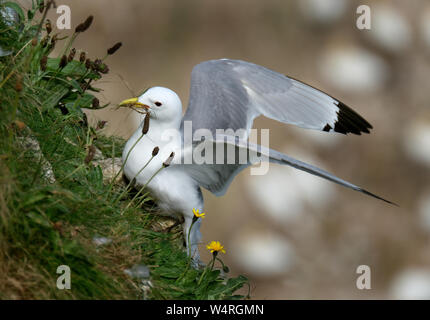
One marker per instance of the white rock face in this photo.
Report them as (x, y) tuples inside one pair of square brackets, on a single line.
[(139, 271), (323, 12), (9, 17), (284, 193), (417, 142), (30, 143), (390, 29), (412, 284), (263, 254), (110, 167), (100, 241), (353, 69)]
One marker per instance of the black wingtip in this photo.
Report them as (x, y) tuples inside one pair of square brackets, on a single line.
[(349, 121), (378, 197)]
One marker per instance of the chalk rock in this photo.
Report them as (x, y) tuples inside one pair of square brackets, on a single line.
[(417, 141), (411, 284), (284, 193), (390, 30), (322, 12), (32, 144), (9, 17), (110, 167), (263, 254), (100, 241), (138, 271), (353, 69)]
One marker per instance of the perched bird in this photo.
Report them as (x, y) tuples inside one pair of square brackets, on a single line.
[(225, 94)]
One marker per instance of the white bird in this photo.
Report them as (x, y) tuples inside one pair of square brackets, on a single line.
[(225, 94)]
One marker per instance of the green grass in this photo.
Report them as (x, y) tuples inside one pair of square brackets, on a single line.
[(45, 224)]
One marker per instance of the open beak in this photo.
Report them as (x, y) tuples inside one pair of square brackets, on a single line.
[(134, 103)]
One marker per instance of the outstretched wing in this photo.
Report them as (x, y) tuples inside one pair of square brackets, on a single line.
[(216, 177), (229, 94)]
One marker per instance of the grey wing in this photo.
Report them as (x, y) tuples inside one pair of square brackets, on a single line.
[(217, 177), (229, 94)]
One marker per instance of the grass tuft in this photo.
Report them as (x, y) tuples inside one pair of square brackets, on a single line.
[(53, 197)]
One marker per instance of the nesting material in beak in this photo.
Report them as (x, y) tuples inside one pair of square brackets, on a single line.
[(134, 104)]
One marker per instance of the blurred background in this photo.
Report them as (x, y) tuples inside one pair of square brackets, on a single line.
[(294, 235)]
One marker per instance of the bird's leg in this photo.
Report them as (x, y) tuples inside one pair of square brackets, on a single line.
[(192, 240)]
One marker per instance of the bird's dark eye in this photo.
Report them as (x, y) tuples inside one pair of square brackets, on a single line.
[(158, 104)]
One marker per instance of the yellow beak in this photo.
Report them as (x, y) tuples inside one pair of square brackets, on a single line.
[(133, 102)]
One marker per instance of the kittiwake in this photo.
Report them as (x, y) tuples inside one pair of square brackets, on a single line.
[(224, 94)]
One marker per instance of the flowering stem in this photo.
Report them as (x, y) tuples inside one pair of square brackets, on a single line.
[(69, 43), (39, 27), (125, 161), (206, 269), (129, 184), (222, 263), (213, 260), (141, 189)]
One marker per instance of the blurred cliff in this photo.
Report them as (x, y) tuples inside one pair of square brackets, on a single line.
[(311, 247)]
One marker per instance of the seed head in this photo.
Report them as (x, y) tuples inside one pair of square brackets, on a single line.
[(71, 55), (168, 160), (18, 84), (43, 63), (90, 155), (145, 128), (34, 42), (63, 62), (84, 25), (103, 68), (82, 57), (49, 4), (44, 41), (96, 65), (84, 85), (112, 50), (41, 6), (96, 103), (88, 63), (48, 26), (53, 42), (101, 124), (155, 151)]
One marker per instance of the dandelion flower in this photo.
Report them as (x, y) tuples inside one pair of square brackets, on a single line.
[(197, 214), (215, 247)]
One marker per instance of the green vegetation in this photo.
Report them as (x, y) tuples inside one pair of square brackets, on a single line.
[(54, 199)]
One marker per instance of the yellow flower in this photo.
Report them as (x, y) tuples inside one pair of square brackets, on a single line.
[(197, 214), (215, 246)]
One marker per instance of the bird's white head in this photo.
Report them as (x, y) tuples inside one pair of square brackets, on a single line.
[(162, 104)]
